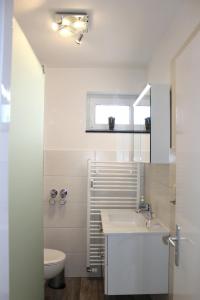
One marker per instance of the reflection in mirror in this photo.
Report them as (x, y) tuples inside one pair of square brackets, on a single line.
[(142, 111)]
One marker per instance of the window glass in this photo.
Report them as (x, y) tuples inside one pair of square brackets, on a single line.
[(101, 106), (121, 113), (140, 113)]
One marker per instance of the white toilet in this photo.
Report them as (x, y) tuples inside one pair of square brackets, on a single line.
[(54, 263)]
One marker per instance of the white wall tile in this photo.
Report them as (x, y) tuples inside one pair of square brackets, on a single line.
[(76, 265), (70, 215), (113, 155), (71, 240), (76, 187), (67, 163)]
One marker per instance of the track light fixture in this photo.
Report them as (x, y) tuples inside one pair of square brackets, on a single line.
[(71, 24)]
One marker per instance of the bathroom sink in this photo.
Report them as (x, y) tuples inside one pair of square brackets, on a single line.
[(125, 217), (128, 221)]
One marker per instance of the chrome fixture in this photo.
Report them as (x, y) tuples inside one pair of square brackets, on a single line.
[(71, 24), (53, 195), (146, 209), (174, 241), (63, 195), (149, 212)]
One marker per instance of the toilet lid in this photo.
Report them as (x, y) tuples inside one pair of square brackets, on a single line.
[(52, 256)]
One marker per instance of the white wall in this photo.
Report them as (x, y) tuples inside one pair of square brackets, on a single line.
[(26, 172), (68, 147), (65, 114), (184, 23)]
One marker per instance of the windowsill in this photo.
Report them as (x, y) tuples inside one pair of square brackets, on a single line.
[(117, 131)]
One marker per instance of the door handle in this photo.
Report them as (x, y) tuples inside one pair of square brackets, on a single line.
[(174, 241)]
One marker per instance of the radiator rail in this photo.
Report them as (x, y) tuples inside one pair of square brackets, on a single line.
[(110, 185)]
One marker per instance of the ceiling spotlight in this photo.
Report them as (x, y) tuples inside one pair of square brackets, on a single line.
[(68, 24), (79, 39), (66, 21), (79, 24), (65, 31), (54, 26)]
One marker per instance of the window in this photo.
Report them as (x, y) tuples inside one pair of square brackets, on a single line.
[(120, 106), (121, 113), (140, 114), (102, 106)]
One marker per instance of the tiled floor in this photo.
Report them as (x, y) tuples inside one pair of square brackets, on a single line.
[(85, 289)]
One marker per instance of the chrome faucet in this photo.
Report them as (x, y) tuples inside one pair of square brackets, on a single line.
[(145, 208), (150, 212)]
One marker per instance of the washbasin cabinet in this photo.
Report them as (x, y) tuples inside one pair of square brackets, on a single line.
[(135, 263)]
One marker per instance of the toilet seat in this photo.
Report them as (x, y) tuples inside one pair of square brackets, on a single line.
[(52, 257)]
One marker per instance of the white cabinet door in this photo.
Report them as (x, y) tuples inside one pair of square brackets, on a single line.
[(187, 274), (160, 123), (131, 261), (155, 147)]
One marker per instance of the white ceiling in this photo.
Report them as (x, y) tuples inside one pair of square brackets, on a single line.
[(122, 33)]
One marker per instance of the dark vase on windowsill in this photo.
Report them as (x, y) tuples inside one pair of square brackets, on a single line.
[(148, 124), (111, 123)]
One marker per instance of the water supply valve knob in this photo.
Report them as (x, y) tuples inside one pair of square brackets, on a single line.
[(53, 195), (63, 195)]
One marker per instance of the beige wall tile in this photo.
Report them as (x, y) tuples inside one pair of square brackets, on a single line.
[(158, 190)]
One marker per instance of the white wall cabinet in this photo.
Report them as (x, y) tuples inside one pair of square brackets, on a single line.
[(135, 264), (160, 123), (155, 146)]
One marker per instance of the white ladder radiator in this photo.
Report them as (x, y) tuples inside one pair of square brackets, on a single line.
[(110, 185)]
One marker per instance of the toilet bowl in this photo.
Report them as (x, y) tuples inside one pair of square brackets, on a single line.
[(54, 263)]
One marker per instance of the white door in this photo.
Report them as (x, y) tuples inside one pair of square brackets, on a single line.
[(187, 70), (5, 66)]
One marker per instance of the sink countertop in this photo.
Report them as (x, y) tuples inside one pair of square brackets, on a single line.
[(128, 221)]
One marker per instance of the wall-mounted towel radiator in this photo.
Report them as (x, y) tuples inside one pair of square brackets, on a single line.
[(110, 185)]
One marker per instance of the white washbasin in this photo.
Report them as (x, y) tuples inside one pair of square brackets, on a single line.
[(125, 217), (128, 221)]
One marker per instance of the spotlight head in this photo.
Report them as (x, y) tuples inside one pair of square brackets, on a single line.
[(79, 39)]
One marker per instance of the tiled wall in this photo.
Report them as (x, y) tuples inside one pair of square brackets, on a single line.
[(68, 147), (65, 226), (160, 191)]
